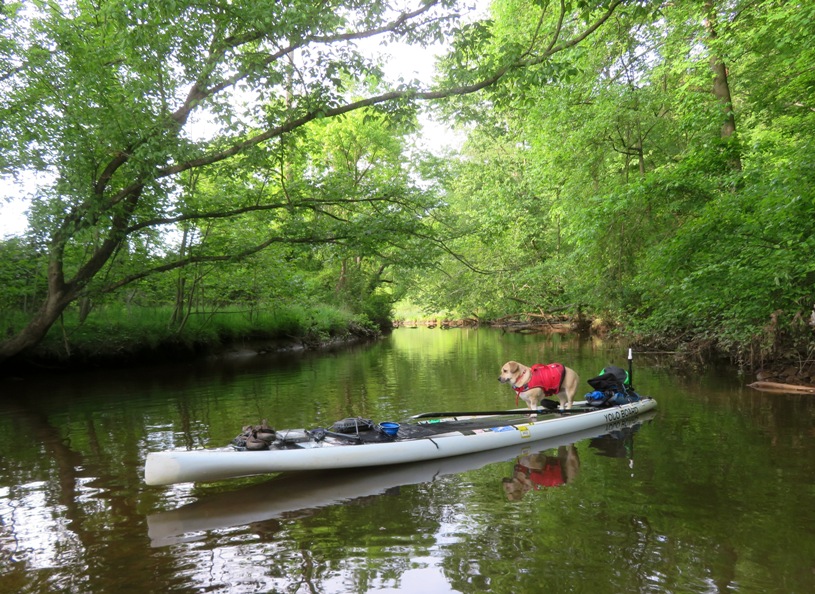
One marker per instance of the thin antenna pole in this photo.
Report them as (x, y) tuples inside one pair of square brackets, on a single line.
[(630, 368)]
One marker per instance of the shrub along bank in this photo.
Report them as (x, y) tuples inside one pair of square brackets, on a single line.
[(125, 336)]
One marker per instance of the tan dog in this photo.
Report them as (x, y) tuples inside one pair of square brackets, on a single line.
[(523, 381)]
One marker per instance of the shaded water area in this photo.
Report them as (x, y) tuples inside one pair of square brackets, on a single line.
[(715, 492)]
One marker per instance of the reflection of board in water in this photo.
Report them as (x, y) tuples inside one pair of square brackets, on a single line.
[(616, 444), (546, 469)]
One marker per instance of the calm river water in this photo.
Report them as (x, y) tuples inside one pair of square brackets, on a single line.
[(715, 492)]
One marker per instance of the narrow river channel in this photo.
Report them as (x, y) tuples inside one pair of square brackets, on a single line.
[(713, 492)]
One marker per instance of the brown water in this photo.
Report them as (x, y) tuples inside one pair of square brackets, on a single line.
[(714, 493)]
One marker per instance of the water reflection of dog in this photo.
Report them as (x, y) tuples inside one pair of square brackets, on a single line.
[(535, 471)]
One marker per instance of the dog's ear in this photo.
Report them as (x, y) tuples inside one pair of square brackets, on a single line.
[(509, 367)]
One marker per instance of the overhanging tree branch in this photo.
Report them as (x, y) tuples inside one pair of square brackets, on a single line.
[(391, 96), (118, 187), (182, 262)]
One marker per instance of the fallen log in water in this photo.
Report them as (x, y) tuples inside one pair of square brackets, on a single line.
[(778, 387)]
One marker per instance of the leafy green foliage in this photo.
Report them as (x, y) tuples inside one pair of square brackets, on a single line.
[(600, 180), (103, 98), (597, 174)]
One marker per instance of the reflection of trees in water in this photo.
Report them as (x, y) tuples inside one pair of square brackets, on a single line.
[(64, 508), (46, 469), (548, 533), (364, 542), (718, 468)]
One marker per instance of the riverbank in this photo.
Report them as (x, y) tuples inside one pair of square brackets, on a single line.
[(789, 366), (118, 339), (181, 351)]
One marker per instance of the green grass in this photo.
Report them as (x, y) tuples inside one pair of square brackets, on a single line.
[(116, 330)]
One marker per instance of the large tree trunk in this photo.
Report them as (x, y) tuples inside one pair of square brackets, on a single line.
[(721, 86), (62, 293), (58, 298)]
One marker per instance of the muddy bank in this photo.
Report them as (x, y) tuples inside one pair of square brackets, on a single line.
[(787, 373)]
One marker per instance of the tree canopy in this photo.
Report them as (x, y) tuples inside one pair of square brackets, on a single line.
[(645, 162), (661, 177)]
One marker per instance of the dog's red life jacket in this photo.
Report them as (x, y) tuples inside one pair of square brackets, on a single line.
[(548, 378)]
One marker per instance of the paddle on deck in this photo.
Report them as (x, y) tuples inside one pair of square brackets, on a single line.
[(495, 413)]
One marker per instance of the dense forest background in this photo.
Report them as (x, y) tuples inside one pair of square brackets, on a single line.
[(219, 169)]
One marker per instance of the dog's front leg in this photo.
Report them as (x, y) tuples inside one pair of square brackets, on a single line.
[(532, 398)]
